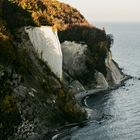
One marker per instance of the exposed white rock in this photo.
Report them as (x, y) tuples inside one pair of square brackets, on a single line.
[(114, 75), (77, 86), (100, 80), (74, 57), (46, 43)]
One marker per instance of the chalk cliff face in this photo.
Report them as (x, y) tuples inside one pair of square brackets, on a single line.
[(75, 63), (74, 58), (114, 75), (34, 99), (101, 80), (46, 43)]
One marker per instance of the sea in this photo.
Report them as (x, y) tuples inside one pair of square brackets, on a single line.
[(121, 106)]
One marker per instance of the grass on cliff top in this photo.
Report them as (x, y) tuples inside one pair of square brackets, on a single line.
[(37, 12)]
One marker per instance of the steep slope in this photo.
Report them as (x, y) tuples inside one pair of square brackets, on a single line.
[(33, 100), (30, 94)]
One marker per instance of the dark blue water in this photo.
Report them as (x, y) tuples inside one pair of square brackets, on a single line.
[(122, 106)]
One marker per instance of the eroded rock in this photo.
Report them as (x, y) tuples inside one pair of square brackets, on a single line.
[(114, 75)]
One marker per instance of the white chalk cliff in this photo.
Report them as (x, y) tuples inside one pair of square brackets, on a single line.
[(101, 81), (46, 43), (74, 57), (114, 75)]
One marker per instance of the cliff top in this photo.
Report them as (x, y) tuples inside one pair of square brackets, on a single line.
[(40, 12)]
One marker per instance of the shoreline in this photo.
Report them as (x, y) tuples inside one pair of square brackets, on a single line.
[(82, 95), (80, 98)]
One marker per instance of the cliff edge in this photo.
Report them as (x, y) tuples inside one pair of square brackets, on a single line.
[(48, 53)]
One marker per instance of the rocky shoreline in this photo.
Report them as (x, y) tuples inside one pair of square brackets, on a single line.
[(81, 96), (81, 99)]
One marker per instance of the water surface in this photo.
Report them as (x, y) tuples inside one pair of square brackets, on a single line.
[(122, 106)]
